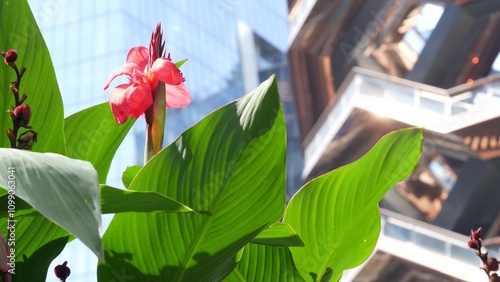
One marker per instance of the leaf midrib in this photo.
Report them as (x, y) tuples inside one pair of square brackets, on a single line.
[(197, 240)]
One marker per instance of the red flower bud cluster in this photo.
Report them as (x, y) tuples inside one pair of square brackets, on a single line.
[(489, 264), (20, 112), (475, 241)]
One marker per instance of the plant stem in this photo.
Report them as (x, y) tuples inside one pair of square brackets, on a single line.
[(6, 277), (15, 90), (155, 127)]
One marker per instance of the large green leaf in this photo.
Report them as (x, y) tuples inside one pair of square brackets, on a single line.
[(336, 215), (265, 263), (231, 164), (114, 200), (93, 135), (64, 190), (20, 32)]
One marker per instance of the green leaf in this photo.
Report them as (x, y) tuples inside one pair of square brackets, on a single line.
[(265, 263), (129, 174), (64, 190), (336, 215), (180, 63), (114, 200), (20, 32), (93, 135), (22, 208), (279, 235), (231, 164)]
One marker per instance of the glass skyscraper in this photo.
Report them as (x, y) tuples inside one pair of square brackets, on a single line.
[(232, 45)]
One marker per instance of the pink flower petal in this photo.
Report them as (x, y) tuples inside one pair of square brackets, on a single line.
[(167, 72), (139, 56), (140, 100), (119, 101), (126, 69), (177, 96)]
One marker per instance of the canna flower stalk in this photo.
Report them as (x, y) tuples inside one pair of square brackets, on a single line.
[(20, 113), (155, 82)]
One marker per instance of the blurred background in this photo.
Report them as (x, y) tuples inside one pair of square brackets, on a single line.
[(349, 71)]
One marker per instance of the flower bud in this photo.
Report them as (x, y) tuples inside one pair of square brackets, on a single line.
[(23, 114), (476, 235), (156, 45), (494, 278), (491, 264), (62, 271), (27, 139), (474, 244), (10, 56)]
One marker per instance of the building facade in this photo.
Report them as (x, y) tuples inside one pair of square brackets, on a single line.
[(361, 69), (231, 46)]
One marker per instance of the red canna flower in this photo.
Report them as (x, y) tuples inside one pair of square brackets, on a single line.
[(134, 98)]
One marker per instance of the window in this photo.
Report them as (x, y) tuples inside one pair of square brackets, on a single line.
[(495, 67), (425, 22)]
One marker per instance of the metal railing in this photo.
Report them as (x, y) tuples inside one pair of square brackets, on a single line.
[(430, 238), (427, 245), (417, 104)]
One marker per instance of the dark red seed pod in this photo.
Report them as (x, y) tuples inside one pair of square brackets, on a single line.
[(492, 264), (62, 271)]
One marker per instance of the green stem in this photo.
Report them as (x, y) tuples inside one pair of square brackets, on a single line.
[(156, 127)]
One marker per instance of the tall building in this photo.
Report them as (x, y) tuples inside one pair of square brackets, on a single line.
[(361, 69), (231, 46)]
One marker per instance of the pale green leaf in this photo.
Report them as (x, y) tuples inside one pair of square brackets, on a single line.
[(64, 190)]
